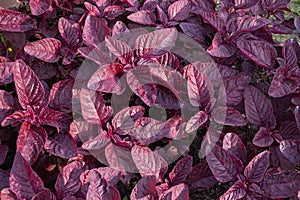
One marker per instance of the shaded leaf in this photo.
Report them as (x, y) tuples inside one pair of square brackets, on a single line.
[(181, 170), (234, 144), (263, 137), (38, 7), (237, 191), (228, 116), (145, 186), (201, 177), (291, 150)]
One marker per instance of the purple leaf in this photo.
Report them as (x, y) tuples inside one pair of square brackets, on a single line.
[(156, 43), (221, 48), (45, 49), (30, 141), (61, 145), (111, 12), (17, 116), (291, 150), (148, 162), (180, 191), (3, 152), (29, 88), (163, 18), (55, 118), (228, 116), (297, 116), (237, 191), (93, 10), (94, 31), (201, 177), (124, 120), (144, 17), (233, 143), (4, 179), (297, 24), (38, 7), (119, 49), (179, 10), (256, 169), (69, 31), (7, 194), (212, 19), (181, 170), (281, 184), (13, 21), (45, 194), (119, 28), (289, 55), (145, 186), (108, 79), (97, 186), (111, 175), (196, 121), (258, 108), (94, 54), (24, 182), (6, 104), (6, 73), (224, 165), (263, 137), (96, 143), (68, 182), (246, 24), (261, 52), (243, 4)]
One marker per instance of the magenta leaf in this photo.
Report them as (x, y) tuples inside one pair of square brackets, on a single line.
[(124, 120), (17, 116), (97, 186), (24, 182), (201, 177), (228, 116), (180, 191), (220, 48), (13, 21), (256, 169), (45, 49), (38, 7), (68, 182), (196, 121), (119, 49), (258, 108), (212, 19), (61, 145), (29, 88), (237, 191), (145, 186), (242, 4), (55, 118), (262, 53), (6, 104), (156, 43), (94, 54), (149, 162), (111, 175), (94, 31), (69, 31), (291, 150), (45, 194), (30, 141), (144, 17), (6, 73), (107, 79), (7, 194), (263, 137), (181, 170), (111, 12), (281, 184), (233, 143), (246, 24), (179, 10), (224, 165)]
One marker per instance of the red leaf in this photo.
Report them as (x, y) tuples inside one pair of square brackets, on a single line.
[(6, 73), (145, 186), (30, 141), (17, 116), (69, 31), (144, 17), (196, 121), (61, 145), (119, 49), (13, 21), (148, 162), (181, 170), (179, 10), (258, 108), (233, 143), (55, 118), (213, 19), (38, 7), (263, 137), (201, 177), (180, 191), (24, 182), (261, 52), (6, 104), (45, 194), (29, 88), (224, 165), (111, 12), (256, 169), (237, 191), (45, 49), (228, 116)]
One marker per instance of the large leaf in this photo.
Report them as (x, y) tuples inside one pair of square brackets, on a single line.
[(30, 141), (124, 120), (69, 31), (237, 191), (67, 182), (38, 7), (228, 116), (24, 182), (201, 177), (180, 191), (156, 43), (55, 118), (181, 170), (94, 31), (61, 145), (212, 19), (145, 186), (149, 162), (144, 17), (47, 49), (258, 108), (13, 21), (224, 165), (119, 49), (261, 52), (281, 184), (234, 144), (29, 88), (179, 10), (256, 169), (291, 150), (246, 24)]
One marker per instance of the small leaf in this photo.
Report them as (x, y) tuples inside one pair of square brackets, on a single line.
[(6, 104), (179, 10), (45, 194), (196, 121), (291, 150), (233, 143), (38, 7), (144, 17), (145, 186), (69, 31), (263, 137), (45, 49)]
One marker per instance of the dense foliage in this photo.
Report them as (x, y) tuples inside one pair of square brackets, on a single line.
[(62, 138)]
